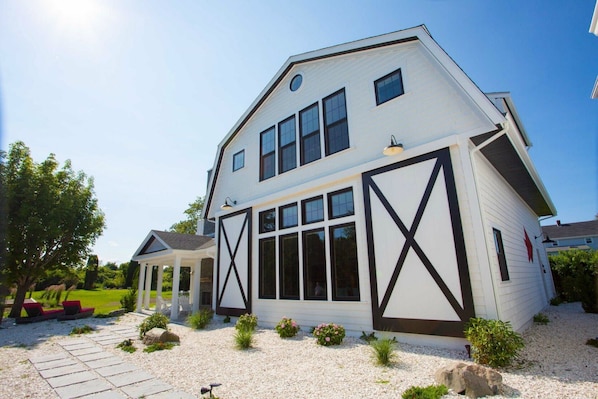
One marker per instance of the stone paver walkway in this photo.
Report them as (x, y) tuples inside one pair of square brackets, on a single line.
[(85, 370)]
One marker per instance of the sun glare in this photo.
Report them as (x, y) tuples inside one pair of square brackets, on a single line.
[(75, 16)]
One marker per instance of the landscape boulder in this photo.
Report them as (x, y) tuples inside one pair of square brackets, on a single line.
[(472, 380), (156, 335)]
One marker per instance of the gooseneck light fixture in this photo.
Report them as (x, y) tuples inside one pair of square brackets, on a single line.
[(228, 205), (547, 240), (394, 148)]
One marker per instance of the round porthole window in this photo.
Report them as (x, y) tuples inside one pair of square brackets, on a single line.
[(296, 82)]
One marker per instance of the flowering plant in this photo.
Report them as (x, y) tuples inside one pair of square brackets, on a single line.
[(287, 328), (329, 334), (247, 321)]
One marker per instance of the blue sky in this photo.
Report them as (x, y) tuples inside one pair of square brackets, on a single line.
[(139, 93)]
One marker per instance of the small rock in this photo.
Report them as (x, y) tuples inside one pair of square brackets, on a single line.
[(159, 335), (473, 380)]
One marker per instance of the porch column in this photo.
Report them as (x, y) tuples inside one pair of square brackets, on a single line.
[(159, 300), (196, 280), (176, 277), (140, 287), (148, 286)]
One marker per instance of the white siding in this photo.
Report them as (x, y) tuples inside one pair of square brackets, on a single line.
[(432, 107), (524, 294)]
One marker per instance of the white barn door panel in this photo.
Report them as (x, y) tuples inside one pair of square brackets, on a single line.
[(418, 267), (234, 264)]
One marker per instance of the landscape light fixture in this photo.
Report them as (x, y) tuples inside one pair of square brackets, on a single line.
[(394, 148), (227, 205)]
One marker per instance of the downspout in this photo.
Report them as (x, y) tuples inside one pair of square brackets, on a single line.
[(479, 147)]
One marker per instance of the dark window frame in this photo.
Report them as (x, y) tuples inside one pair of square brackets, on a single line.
[(328, 127), (282, 148), (268, 155), (306, 266), (235, 158), (262, 225), (303, 210), (500, 253), (271, 240), (331, 216), (282, 269), (333, 265), (310, 136), (281, 221), (393, 95)]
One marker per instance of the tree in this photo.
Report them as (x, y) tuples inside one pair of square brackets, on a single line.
[(52, 214), (91, 272), (189, 225)]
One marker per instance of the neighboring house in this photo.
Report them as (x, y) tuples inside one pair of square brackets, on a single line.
[(565, 236), (319, 218)]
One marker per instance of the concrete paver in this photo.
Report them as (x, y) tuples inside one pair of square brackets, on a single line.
[(105, 395), (133, 377), (70, 379), (146, 388), (116, 369), (109, 361), (83, 388), (58, 371), (85, 351), (94, 356), (54, 363)]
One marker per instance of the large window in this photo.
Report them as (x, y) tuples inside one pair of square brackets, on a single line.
[(336, 129), (289, 267), (267, 221), (345, 275), (389, 87), (500, 252), (314, 264), (238, 160), (312, 210), (267, 268), (340, 203), (267, 157), (288, 216), (309, 128), (286, 145)]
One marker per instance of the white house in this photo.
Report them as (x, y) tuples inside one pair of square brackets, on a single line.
[(374, 185)]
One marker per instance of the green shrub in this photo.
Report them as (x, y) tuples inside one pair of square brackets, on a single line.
[(556, 301), (158, 346), (201, 319), (127, 346), (246, 322), (368, 337), (128, 301), (157, 320), (493, 342), (243, 338), (81, 330), (541, 318), (384, 350), (575, 275), (226, 319), (429, 392), (329, 334), (287, 328)]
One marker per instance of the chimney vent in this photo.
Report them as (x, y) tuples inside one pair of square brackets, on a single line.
[(558, 222)]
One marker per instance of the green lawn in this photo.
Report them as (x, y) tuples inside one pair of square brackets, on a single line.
[(104, 301)]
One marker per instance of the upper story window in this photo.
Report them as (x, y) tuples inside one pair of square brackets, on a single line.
[(589, 240), (267, 221), (389, 87), (287, 152), (288, 216), (312, 210), (340, 203), (238, 160), (336, 128), (309, 128), (267, 157)]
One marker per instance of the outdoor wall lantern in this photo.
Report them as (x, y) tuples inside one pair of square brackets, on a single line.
[(228, 205), (394, 148), (547, 240)]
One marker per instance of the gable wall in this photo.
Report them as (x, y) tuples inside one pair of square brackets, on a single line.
[(432, 107), (525, 293)]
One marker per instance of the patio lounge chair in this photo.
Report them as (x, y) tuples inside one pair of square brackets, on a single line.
[(73, 311), (35, 313)]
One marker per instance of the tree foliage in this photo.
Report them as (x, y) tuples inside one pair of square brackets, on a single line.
[(189, 225), (53, 218), (576, 277)]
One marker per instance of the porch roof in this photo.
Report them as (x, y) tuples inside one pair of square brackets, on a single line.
[(162, 247)]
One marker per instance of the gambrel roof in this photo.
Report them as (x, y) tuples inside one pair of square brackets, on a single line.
[(535, 195)]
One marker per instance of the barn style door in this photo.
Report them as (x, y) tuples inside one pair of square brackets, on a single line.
[(418, 267), (234, 264)]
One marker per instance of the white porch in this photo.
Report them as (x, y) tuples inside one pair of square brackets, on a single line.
[(165, 249)]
